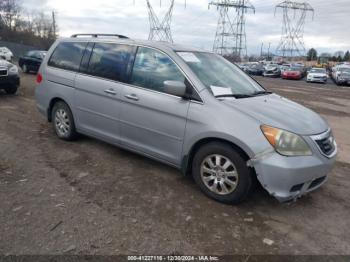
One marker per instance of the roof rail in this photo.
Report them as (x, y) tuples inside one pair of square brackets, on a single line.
[(98, 35)]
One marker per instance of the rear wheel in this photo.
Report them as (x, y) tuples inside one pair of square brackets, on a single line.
[(63, 122), (222, 173), (11, 90)]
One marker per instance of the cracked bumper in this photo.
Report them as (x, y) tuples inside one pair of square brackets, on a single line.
[(287, 178)]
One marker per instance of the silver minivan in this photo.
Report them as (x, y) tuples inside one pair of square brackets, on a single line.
[(187, 108)]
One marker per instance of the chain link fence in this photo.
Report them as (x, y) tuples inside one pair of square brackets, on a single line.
[(18, 50)]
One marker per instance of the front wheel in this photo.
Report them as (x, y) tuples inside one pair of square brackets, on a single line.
[(63, 122), (222, 173)]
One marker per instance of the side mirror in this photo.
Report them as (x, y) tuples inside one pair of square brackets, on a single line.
[(175, 88)]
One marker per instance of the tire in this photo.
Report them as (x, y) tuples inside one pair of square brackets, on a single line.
[(11, 90), (243, 178), (25, 68), (63, 122)]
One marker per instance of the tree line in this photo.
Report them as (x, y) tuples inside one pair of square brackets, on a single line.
[(338, 56), (36, 28)]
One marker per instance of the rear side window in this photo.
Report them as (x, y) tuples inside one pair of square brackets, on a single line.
[(110, 61), (67, 55), (152, 68)]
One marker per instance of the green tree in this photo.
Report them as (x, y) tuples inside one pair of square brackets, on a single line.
[(347, 56), (311, 54)]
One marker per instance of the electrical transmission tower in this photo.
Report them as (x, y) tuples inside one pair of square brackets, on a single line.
[(230, 37), (160, 29), (292, 39)]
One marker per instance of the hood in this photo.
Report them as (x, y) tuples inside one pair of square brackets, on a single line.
[(318, 74), (271, 69), (279, 112), (4, 63), (344, 74)]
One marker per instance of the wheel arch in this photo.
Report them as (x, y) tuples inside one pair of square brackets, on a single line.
[(186, 165), (51, 105)]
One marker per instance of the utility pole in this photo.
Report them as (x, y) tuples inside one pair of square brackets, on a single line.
[(292, 38), (268, 52), (230, 37), (54, 26), (261, 50), (160, 30)]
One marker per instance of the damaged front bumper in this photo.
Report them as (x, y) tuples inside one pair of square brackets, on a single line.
[(288, 178)]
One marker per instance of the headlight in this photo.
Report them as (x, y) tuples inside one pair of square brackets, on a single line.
[(13, 70), (286, 143)]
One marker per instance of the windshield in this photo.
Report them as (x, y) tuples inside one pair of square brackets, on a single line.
[(272, 66), (318, 70), (219, 75), (293, 69)]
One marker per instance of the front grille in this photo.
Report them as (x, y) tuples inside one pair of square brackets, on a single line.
[(326, 143), (317, 182), (3, 72)]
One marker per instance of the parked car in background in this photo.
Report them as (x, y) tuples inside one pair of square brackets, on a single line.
[(31, 61), (272, 70), (284, 67), (255, 69), (301, 68), (317, 75), (9, 78), (341, 75), (162, 101), (6, 54), (244, 67), (292, 73)]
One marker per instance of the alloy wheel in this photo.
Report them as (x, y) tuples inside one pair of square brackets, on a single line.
[(62, 122), (219, 174)]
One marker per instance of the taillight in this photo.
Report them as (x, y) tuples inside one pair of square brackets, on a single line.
[(39, 78)]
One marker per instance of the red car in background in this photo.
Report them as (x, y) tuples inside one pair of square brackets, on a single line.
[(292, 73)]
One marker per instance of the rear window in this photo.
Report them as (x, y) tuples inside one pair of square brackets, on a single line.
[(68, 55), (110, 61)]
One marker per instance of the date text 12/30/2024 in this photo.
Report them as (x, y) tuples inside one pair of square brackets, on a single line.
[(173, 258)]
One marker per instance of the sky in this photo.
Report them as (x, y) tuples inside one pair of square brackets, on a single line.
[(195, 24)]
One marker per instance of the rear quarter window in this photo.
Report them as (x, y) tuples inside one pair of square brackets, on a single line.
[(68, 55)]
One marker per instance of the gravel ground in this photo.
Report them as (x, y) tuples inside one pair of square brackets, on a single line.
[(88, 197)]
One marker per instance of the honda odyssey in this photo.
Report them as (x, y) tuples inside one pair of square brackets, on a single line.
[(188, 108)]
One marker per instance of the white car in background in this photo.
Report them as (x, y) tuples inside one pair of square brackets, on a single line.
[(341, 75), (6, 53), (317, 75)]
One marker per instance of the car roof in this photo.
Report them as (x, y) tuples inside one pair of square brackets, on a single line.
[(165, 46)]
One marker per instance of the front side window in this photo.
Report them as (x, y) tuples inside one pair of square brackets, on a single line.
[(110, 61), (219, 75), (152, 68), (68, 55)]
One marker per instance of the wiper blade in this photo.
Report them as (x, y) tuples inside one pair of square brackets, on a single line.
[(258, 93), (234, 95)]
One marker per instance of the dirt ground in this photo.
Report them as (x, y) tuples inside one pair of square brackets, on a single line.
[(88, 197)]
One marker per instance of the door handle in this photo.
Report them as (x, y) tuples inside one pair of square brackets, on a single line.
[(110, 92), (132, 97)]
